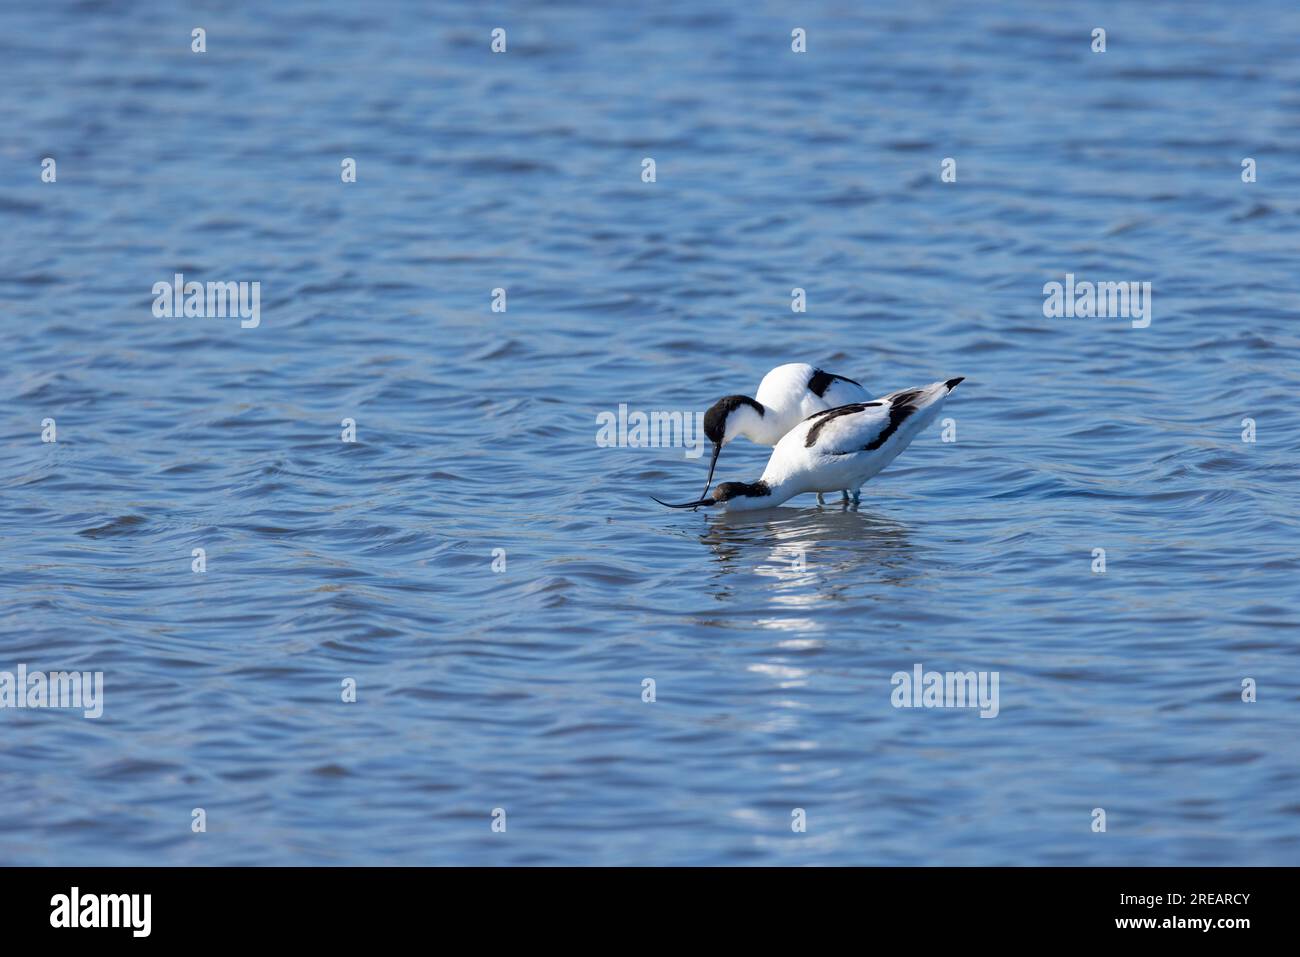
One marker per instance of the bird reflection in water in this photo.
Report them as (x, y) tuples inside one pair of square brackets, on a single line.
[(811, 555)]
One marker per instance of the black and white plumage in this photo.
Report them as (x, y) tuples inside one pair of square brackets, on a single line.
[(839, 448), (786, 396)]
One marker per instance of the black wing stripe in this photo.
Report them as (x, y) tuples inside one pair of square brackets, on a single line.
[(827, 415), (901, 406), (821, 381)]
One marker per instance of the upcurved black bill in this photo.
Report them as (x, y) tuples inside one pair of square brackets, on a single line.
[(703, 501), (717, 447)]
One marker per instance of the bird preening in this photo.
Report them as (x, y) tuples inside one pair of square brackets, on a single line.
[(829, 435)]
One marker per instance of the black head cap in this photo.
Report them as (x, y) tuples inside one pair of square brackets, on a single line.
[(715, 420), (724, 491)]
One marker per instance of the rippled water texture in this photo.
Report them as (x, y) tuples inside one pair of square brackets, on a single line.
[(521, 689)]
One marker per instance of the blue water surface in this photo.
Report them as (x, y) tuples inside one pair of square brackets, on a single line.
[(520, 687)]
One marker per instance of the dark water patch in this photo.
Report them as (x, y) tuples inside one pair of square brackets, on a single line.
[(122, 525)]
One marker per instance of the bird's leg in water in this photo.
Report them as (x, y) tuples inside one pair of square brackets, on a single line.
[(857, 494), (845, 493), (820, 499)]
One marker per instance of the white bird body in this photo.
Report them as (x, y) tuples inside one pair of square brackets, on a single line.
[(796, 390), (839, 448), (786, 396)]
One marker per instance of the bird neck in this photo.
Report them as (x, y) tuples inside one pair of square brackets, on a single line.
[(782, 487), (766, 428)]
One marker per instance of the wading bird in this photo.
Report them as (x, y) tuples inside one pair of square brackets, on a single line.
[(786, 396), (840, 448)]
